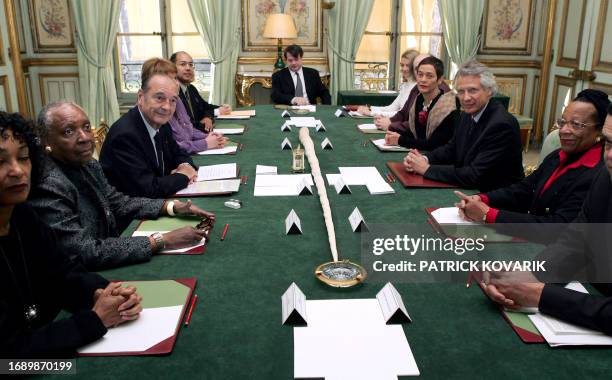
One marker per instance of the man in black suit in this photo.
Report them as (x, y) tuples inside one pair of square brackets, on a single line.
[(296, 84), (485, 152), (140, 156), (200, 111)]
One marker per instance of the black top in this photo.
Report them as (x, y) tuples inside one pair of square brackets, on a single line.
[(55, 283), (199, 109), (485, 155), (583, 253), (130, 164), (440, 136), (283, 89)]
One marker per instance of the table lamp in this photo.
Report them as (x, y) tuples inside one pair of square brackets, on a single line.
[(279, 25)]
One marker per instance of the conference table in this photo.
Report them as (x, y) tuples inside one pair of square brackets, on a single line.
[(236, 330)]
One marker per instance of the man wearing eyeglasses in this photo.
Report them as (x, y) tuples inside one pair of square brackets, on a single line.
[(200, 111), (555, 192), (485, 152)]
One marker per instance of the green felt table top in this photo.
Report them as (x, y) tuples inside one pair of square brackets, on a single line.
[(236, 331)]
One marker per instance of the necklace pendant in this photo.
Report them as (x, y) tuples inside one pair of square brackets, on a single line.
[(31, 312)]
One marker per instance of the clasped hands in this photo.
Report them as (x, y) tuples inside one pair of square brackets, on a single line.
[(115, 304), (471, 207), (415, 162), (512, 290)]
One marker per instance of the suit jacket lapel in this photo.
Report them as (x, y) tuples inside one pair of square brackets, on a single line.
[(289, 81)]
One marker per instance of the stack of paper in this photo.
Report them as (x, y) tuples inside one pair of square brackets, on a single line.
[(449, 215), (264, 169), (368, 176), (229, 129), (229, 148), (221, 171), (381, 145), (246, 114), (308, 121), (268, 185), (221, 186), (309, 108), (558, 333)]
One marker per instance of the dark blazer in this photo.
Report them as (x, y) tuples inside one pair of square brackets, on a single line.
[(56, 283), (485, 155), (283, 89), (583, 253), (201, 108), (130, 164)]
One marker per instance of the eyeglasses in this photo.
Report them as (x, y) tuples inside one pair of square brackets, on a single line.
[(575, 125), (183, 64)]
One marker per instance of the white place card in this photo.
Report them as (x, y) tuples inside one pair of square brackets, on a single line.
[(341, 187), (286, 114), (392, 305), (286, 127), (320, 127), (294, 306), (339, 113), (286, 144), (357, 222), (292, 224), (303, 187), (326, 144)]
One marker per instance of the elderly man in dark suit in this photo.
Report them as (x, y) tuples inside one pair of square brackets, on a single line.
[(200, 111), (296, 84), (485, 152), (140, 156)]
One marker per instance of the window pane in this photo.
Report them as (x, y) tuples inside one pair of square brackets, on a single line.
[(139, 16), (431, 44), (421, 16), (373, 48), (380, 18), (180, 16), (133, 51), (194, 45)]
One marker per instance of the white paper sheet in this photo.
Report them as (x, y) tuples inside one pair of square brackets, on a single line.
[(280, 185), (449, 215), (559, 333), (215, 186), (348, 339), (305, 121), (309, 107), (332, 178), (359, 175), (264, 169), (379, 187), (153, 326), (225, 150), (367, 127), (380, 143), (221, 171), (229, 131), (244, 112), (233, 117)]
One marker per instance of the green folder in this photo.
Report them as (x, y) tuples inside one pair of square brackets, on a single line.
[(166, 223), (162, 293)]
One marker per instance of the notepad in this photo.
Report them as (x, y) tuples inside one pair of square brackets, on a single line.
[(221, 171), (280, 185), (229, 148), (229, 129), (309, 107), (369, 129), (304, 121), (382, 146), (264, 169), (449, 215), (215, 187)]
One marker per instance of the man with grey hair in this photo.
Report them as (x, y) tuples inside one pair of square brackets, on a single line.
[(485, 153)]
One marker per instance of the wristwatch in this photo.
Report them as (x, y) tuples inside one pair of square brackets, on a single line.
[(159, 240)]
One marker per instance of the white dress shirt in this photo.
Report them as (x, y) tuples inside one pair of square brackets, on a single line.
[(397, 104)]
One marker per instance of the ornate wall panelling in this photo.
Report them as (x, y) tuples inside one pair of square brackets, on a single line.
[(602, 55), (514, 86), (5, 96), (58, 86), (570, 37), (563, 92)]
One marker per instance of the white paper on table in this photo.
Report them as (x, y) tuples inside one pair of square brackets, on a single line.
[(378, 186), (370, 348), (264, 169), (308, 107), (449, 215), (394, 148), (559, 333), (229, 131), (280, 185), (367, 127), (221, 171), (233, 117), (244, 113), (360, 175), (304, 121), (225, 150), (215, 186), (332, 178), (167, 250), (153, 326), (356, 114)]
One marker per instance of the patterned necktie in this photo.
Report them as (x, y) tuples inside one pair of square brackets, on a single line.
[(186, 93), (159, 151), (299, 91)]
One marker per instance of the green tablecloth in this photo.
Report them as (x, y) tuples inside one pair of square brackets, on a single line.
[(236, 330), (361, 97)]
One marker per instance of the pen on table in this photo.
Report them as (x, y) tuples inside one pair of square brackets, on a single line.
[(469, 280), (392, 177), (224, 232), (389, 179), (193, 302)]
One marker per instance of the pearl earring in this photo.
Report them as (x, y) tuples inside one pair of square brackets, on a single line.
[(48, 149)]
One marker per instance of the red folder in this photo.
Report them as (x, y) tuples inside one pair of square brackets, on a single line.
[(415, 180), (164, 347)]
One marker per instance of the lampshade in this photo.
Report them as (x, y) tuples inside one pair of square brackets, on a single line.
[(279, 25)]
